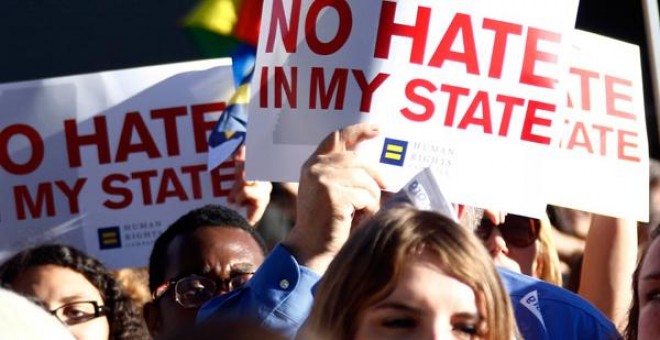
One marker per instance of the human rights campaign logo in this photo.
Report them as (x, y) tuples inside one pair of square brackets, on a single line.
[(109, 238), (394, 152)]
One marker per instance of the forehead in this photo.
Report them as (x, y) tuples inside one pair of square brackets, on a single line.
[(211, 248), (423, 282), (55, 285)]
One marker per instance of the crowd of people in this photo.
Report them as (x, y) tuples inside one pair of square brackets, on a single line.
[(349, 267)]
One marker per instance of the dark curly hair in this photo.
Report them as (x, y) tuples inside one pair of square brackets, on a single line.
[(122, 316)]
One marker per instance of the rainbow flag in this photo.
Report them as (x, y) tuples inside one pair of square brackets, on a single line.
[(229, 132), (228, 28), (232, 20)]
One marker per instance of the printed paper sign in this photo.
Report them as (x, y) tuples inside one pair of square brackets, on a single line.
[(467, 87), (424, 192), (107, 161), (603, 163)]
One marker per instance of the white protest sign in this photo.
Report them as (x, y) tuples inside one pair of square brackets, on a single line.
[(467, 87), (603, 163), (424, 192), (106, 161)]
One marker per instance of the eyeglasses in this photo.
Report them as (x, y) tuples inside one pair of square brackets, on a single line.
[(74, 313), (518, 231), (192, 291)]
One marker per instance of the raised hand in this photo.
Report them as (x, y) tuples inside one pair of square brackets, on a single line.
[(337, 188), (253, 195)]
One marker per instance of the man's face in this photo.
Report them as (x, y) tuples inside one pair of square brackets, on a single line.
[(215, 253)]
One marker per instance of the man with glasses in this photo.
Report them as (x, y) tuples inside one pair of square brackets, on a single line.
[(207, 252)]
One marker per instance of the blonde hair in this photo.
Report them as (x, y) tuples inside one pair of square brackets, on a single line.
[(135, 282), (367, 269), (548, 269)]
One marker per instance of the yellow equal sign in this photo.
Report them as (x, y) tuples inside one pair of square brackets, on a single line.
[(109, 238), (393, 152)]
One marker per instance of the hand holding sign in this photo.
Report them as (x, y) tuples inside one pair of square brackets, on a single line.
[(253, 195), (336, 189)]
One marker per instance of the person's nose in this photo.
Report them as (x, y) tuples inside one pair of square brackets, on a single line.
[(441, 330), (222, 277), (223, 288)]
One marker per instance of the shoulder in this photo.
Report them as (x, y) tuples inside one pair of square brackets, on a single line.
[(543, 307), (279, 296)]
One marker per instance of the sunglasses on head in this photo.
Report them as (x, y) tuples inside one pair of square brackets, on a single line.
[(518, 231)]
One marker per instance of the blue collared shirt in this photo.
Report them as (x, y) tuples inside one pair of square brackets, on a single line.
[(279, 295)]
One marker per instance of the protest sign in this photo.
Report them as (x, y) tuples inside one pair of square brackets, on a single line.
[(602, 165), (106, 161), (466, 87), (424, 192)]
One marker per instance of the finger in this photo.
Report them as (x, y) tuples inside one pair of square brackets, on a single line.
[(496, 217), (362, 199), (240, 198), (351, 175), (350, 160), (357, 180), (254, 193), (239, 164), (235, 189), (254, 214), (355, 190), (242, 191), (502, 216), (346, 138)]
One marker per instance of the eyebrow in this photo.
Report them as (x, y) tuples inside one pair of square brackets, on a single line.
[(77, 298), (468, 315), (244, 267), (652, 276), (398, 306), (236, 268)]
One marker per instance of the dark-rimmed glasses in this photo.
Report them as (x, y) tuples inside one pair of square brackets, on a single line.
[(518, 231), (77, 312), (192, 291)]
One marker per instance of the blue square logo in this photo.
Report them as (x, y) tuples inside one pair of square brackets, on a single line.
[(394, 152), (109, 238)]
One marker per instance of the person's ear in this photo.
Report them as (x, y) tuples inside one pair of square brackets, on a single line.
[(152, 318)]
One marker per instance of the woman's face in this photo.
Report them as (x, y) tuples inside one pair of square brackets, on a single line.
[(649, 294), (58, 286), (426, 304), (512, 243)]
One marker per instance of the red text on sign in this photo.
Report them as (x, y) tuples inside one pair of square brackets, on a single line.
[(479, 113), (603, 140), (36, 149), (325, 87), (288, 29), (617, 92), (135, 137), (157, 187), (462, 29), (43, 202)]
